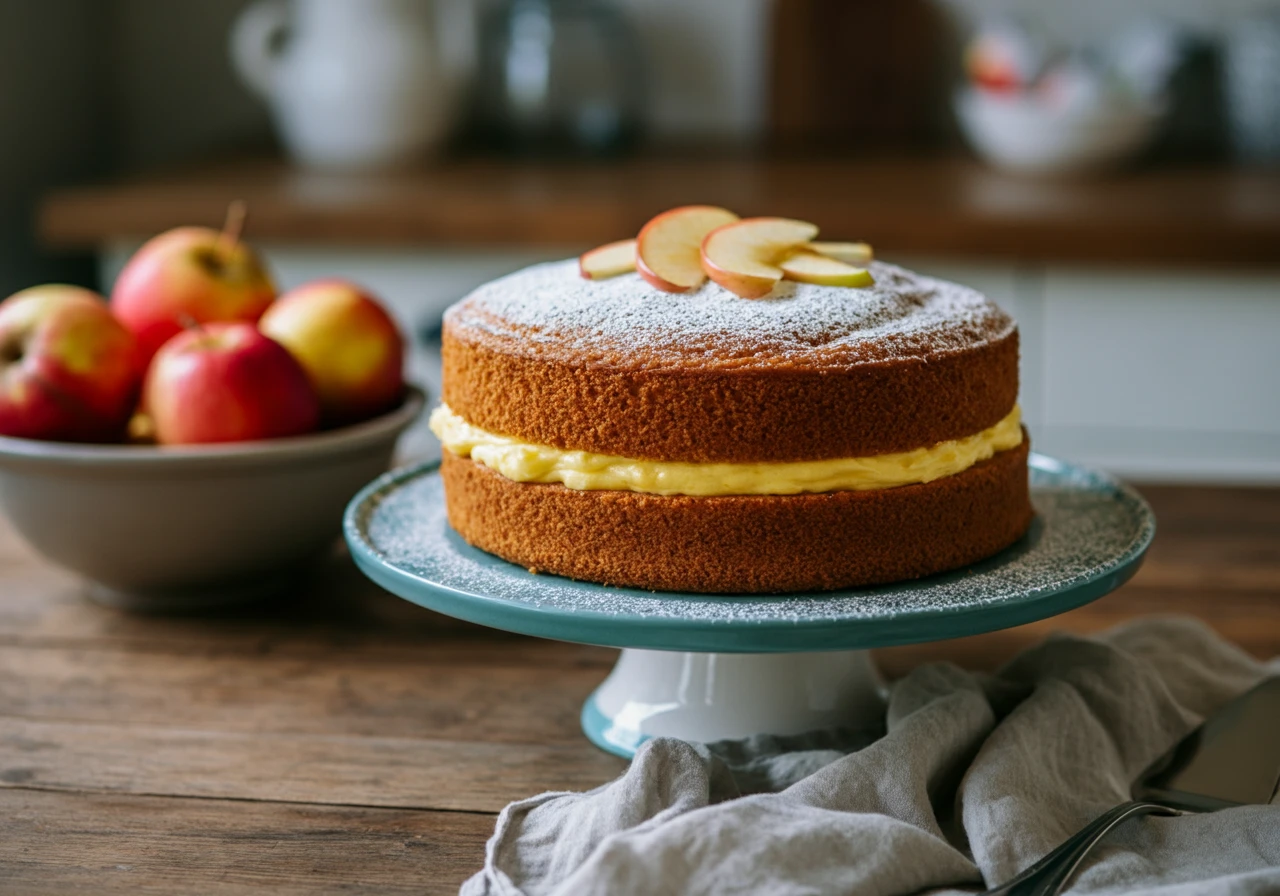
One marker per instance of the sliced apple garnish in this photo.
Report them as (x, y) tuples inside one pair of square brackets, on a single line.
[(856, 254), (743, 256), (810, 267), (667, 249), (608, 260)]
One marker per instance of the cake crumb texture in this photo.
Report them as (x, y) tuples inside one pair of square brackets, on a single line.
[(616, 367), (744, 544)]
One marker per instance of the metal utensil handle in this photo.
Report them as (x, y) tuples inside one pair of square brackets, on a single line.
[(1052, 883), (1036, 875)]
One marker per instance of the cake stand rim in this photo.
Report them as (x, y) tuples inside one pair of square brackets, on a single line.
[(740, 636)]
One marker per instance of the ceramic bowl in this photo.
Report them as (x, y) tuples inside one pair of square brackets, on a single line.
[(190, 527), (1022, 134)]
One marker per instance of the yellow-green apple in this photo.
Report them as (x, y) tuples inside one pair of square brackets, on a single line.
[(856, 254), (227, 382), (68, 370), (608, 260), (667, 247), (743, 256), (811, 267), (189, 275), (348, 344)]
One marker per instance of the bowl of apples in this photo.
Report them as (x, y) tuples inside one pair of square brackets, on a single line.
[(193, 442)]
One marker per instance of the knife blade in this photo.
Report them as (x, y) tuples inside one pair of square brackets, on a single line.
[(1233, 759)]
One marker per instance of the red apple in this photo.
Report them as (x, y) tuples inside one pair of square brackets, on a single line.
[(68, 370), (348, 344), (189, 275), (227, 383)]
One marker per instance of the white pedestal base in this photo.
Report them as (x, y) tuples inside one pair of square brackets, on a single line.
[(711, 696)]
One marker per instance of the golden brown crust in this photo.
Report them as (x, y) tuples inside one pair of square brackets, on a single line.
[(744, 544), (733, 416)]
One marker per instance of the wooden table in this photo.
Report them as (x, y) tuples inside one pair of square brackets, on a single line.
[(1198, 217), (347, 740)]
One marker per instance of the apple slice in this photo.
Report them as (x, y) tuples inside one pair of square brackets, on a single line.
[(811, 267), (608, 260), (856, 254), (667, 249), (743, 256)]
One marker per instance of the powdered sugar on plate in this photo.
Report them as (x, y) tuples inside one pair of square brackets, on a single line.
[(548, 311), (1088, 529)]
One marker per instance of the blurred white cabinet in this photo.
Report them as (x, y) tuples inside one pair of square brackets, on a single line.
[(1159, 375), (1168, 374)]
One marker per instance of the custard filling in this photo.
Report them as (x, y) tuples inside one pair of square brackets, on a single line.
[(586, 471)]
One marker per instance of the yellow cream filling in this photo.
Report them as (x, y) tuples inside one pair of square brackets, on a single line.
[(583, 470)]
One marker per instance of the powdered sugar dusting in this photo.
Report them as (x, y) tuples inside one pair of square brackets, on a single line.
[(549, 311), (1087, 528)]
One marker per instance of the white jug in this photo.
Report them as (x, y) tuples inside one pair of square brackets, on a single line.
[(355, 84)]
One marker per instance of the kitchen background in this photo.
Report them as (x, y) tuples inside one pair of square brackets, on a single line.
[(1106, 171)]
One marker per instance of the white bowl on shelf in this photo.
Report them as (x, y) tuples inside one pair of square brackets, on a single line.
[(1024, 133)]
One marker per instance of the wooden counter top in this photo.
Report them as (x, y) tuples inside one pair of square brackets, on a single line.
[(346, 740), (944, 207)]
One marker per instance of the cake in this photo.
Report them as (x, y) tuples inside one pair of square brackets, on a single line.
[(822, 437)]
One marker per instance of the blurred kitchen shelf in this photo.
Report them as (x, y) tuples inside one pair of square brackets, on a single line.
[(1146, 302), (1207, 217)]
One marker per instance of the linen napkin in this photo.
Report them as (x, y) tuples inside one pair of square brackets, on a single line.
[(971, 779)]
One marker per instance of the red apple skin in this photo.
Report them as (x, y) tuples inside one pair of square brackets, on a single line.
[(186, 276), (347, 342), (691, 223), (227, 383), (68, 370)]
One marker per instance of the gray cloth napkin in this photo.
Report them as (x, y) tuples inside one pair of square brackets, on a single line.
[(972, 779)]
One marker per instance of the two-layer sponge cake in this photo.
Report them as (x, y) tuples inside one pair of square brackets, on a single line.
[(823, 437)]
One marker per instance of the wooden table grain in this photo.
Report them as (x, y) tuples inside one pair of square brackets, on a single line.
[(344, 740)]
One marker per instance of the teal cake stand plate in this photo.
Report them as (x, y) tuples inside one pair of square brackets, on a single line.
[(704, 667)]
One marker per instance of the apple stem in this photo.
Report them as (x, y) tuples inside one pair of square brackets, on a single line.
[(237, 211)]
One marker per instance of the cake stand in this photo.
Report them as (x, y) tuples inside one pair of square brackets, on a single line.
[(702, 667)]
